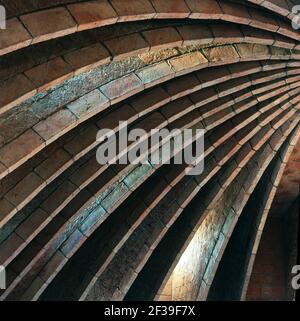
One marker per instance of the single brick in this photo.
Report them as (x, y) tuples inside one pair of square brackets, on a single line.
[(53, 165), (169, 9), (7, 209), (248, 50), (59, 198), (133, 10), (219, 55), (163, 38), (21, 148), (14, 37), (14, 91), (262, 21), (9, 246), (227, 33), (93, 14), (47, 24), (204, 9), (87, 58), (126, 46), (25, 189), (235, 13), (28, 228), (89, 104), (188, 62), (55, 125), (49, 74), (82, 142), (122, 88), (195, 35), (150, 101), (155, 74)]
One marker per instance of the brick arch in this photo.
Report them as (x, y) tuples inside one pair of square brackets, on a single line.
[(32, 28), (239, 83)]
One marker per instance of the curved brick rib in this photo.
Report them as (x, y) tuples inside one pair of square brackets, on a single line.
[(51, 23), (65, 153)]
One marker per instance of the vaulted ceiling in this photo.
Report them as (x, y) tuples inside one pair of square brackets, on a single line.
[(73, 229)]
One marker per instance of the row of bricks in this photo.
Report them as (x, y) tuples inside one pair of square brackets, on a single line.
[(52, 73), (138, 38), (57, 22), (47, 131), (44, 171), (159, 38)]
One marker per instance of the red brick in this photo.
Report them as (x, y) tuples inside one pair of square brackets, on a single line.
[(87, 172), (21, 148), (9, 246), (126, 46), (212, 76), (47, 24), (28, 229), (55, 125), (53, 165), (177, 109), (82, 142), (14, 91), (169, 9), (59, 198), (257, 35), (226, 33), (206, 9), (50, 73), (88, 58), (7, 210), (235, 13), (133, 9), (204, 96), (93, 14), (122, 88), (24, 191), (123, 113), (279, 6), (150, 101), (262, 21), (195, 34), (163, 38), (14, 37)]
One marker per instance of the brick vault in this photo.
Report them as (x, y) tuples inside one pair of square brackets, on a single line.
[(72, 229)]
